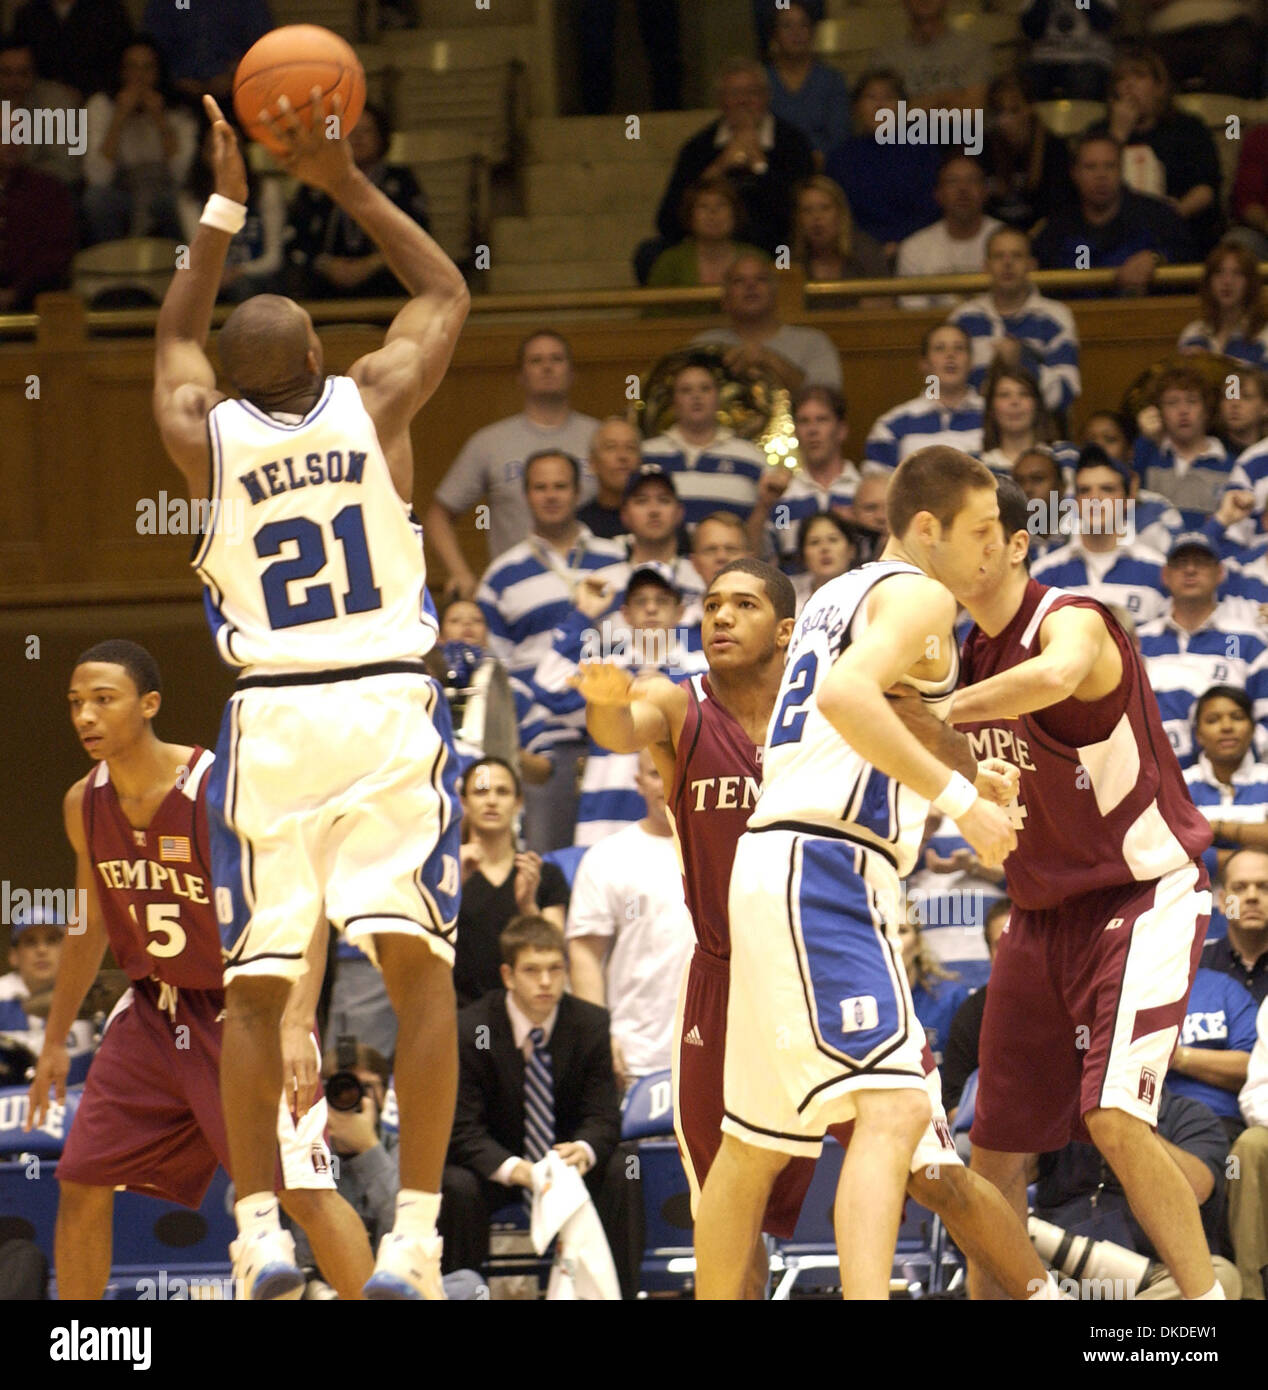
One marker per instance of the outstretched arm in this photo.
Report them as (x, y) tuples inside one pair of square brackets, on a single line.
[(1073, 639), (625, 714), (184, 380)]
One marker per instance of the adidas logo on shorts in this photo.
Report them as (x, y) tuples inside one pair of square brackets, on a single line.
[(694, 1038)]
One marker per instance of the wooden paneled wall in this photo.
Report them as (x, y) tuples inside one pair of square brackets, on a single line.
[(79, 459)]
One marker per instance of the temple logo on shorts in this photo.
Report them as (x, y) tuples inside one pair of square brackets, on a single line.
[(859, 1014), (1113, 922), (1148, 1086), (321, 1161)]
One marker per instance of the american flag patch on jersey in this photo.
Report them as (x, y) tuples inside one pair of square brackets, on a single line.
[(174, 849)]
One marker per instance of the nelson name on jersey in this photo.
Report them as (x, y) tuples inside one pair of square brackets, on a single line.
[(146, 876), (332, 468)]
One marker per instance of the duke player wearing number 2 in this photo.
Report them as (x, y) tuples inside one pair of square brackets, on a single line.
[(706, 736), (150, 1117), (335, 786), (1110, 899)]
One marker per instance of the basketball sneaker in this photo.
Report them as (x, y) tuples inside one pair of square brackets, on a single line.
[(407, 1268), (264, 1267)]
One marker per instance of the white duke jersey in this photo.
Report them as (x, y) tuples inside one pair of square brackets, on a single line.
[(811, 778), (311, 560)]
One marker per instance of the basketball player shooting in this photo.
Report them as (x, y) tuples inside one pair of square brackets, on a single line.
[(334, 788), (1110, 899), (706, 737)]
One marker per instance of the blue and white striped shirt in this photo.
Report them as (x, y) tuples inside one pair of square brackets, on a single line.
[(1130, 575), (804, 498), (1181, 665), (1200, 337), (720, 476), (920, 422), (526, 592), (1049, 343), (609, 796)]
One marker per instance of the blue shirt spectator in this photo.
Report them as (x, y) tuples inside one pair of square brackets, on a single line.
[(806, 94), (1219, 1017)]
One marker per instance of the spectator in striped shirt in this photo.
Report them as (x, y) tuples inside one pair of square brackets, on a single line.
[(523, 595), (1013, 325), (823, 480), (1175, 456), (652, 617), (1228, 783), (1243, 409), (1015, 420), (712, 467), (1105, 560), (491, 463), (948, 411), (1232, 316), (1198, 640)]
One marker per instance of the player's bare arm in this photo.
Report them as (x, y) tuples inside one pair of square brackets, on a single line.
[(397, 380), (82, 954), (994, 779), (909, 632), (1077, 658), (626, 714), (184, 379)]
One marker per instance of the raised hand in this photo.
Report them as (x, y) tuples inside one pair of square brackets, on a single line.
[(226, 159), (603, 683), (318, 155)]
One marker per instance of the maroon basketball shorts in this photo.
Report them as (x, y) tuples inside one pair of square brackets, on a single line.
[(699, 1056), (150, 1119), (1084, 1009)]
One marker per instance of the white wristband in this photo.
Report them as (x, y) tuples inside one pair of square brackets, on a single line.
[(956, 797), (224, 214)]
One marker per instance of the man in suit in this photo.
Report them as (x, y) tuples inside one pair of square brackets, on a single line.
[(494, 1131)]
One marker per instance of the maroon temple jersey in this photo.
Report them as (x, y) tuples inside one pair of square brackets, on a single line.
[(717, 778), (1103, 801), (155, 884)]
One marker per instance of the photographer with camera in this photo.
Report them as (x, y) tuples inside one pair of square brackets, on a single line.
[(366, 1170)]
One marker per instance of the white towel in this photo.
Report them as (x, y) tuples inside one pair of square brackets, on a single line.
[(583, 1268)]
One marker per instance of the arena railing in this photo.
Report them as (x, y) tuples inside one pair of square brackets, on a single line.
[(796, 299)]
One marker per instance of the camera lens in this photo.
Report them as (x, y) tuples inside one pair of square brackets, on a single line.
[(344, 1091)]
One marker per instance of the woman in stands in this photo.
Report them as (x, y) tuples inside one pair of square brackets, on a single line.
[(826, 548), (141, 142), (499, 881), (1228, 783), (711, 213), (1039, 475), (1243, 418), (1232, 314), (1015, 419), (1027, 167), (253, 264), (826, 243)]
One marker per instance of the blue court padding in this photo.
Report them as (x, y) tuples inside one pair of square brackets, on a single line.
[(647, 1112)]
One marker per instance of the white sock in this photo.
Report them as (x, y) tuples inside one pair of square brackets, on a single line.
[(416, 1213), (257, 1213), (1215, 1294)]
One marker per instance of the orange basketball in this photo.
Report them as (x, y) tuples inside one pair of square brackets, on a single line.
[(290, 62)]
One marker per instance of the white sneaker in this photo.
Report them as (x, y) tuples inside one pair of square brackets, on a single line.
[(264, 1267), (407, 1268)]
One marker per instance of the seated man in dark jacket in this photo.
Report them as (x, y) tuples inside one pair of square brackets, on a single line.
[(1109, 225), (498, 1123)]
